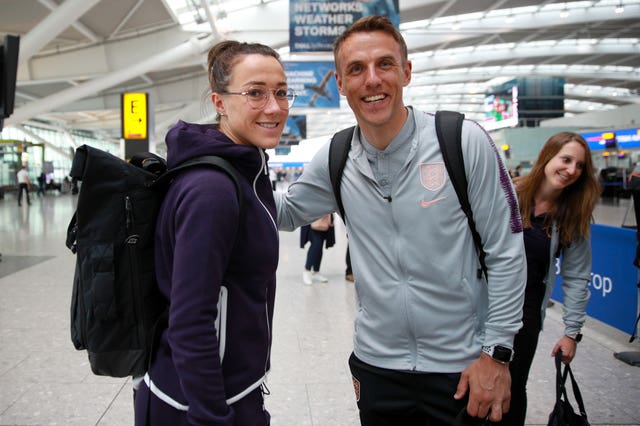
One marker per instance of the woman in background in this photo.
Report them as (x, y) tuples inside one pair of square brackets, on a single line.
[(216, 256), (318, 233), (556, 201)]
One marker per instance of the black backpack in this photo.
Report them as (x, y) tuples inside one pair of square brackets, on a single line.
[(449, 131), (116, 306)]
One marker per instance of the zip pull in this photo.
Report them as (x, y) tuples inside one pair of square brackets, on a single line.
[(264, 163), (132, 238), (127, 207)]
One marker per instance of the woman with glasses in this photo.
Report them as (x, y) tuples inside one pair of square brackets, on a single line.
[(216, 254)]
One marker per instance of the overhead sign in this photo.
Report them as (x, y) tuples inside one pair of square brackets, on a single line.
[(314, 24), (314, 84), (134, 116), (294, 130), (624, 138)]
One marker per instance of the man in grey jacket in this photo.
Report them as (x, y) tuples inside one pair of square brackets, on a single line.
[(431, 336)]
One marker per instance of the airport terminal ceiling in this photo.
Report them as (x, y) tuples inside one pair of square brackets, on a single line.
[(78, 56)]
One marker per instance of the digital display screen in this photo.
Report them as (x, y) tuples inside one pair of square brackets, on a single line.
[(501, 106)]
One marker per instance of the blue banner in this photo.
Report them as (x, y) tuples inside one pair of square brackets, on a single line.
[(314, 24), (622, 139), (282, 150), (613, 286), (294, 131), (314, 84)]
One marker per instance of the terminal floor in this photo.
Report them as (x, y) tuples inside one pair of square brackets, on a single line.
[(45, 381)]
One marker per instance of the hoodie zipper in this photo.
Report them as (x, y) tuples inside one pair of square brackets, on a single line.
[(275, 227), (264, 167), (132, 241)]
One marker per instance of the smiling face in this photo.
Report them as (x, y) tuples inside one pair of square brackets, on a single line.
[(239, 121), (372, 74), (565, 167)]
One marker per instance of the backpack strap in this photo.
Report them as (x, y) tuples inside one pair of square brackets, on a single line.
[(209, 161), (338, 154), (449, 131)]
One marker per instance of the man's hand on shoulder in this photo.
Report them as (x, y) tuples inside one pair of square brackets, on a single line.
[(489, 384)]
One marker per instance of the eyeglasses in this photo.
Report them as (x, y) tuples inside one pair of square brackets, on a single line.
[(258, 97)]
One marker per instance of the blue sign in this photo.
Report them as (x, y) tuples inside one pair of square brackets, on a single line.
[(314, 84), (286, 164), (294, 131), (314, 24), (282, 150), (623, 139), (613, 286)]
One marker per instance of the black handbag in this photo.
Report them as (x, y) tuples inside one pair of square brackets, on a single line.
[(563, 413)]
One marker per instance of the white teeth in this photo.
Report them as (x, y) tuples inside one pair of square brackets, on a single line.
[(268, 125), (374, 98)]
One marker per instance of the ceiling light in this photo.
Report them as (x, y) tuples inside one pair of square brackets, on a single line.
[(455, 26), (619, 8), (564, 13), (510, 19)]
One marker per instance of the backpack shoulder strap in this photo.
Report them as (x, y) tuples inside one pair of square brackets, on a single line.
[(207, 161), (449, 131), (338, 154)]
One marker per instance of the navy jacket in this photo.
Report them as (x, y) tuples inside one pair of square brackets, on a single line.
[(217, 269)]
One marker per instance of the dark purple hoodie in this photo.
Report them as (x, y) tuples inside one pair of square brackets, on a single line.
[(217, 269)]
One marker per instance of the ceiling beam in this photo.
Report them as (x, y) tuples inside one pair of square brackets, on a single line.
[(125, 19), (192, 47), (55, 23), (79, 26)]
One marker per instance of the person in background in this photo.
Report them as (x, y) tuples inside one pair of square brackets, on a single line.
[(348, 272), (273, 177), (556, 199), (216, 257), (320, 231), (432, 338), (42, 178), (24, 184), (65, 186), (518, 171)]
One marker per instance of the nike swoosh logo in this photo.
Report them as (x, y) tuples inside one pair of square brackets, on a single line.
[(424, 204)]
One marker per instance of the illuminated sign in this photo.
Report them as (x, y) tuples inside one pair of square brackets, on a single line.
[(134, 115), (501, 106), (622, 138)]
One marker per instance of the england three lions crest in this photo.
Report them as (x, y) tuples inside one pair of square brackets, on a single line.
[(432, 176)]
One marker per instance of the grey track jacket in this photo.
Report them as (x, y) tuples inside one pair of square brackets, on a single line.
[(575, 269), (420, 303)]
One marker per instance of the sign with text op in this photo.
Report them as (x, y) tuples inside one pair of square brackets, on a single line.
[(613, 286), (314, 24)]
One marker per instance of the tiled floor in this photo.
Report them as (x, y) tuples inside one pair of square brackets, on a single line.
[(44, 381)]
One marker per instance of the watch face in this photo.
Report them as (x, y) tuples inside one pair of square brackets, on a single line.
[(502, 354)]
